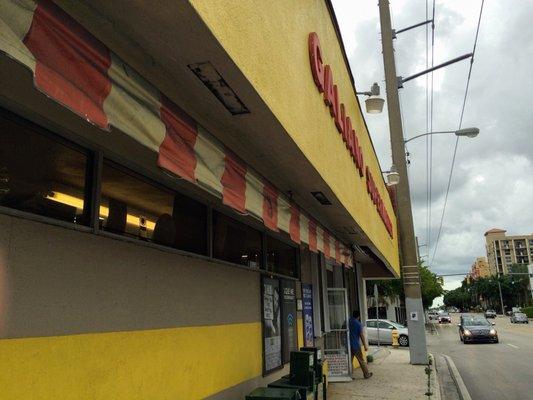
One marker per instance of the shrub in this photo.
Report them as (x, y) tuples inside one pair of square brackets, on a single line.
[(369, 358), (528, 311)]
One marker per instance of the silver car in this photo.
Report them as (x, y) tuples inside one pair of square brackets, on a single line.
[(519, 318), (385, 332)]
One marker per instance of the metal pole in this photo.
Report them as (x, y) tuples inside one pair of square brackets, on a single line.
[(501, 297), (414, 26), (376, 299), (445, 64), (411, 277)]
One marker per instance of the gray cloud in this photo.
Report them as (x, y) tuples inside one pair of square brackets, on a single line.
[(491, 185)]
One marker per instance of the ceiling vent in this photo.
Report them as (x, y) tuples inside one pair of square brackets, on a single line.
[(212, 79)]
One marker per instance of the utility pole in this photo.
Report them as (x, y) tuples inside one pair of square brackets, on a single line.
[(501, 297), (411, 276)]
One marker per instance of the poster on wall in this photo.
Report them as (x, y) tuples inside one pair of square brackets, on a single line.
[(288, 312), (271, 324), (307, 313)]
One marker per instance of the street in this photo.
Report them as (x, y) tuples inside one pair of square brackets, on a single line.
[(490, 371)]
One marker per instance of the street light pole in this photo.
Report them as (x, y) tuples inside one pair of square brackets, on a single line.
[(501, 297), (411, 277)]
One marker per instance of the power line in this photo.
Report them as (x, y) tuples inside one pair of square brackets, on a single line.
[(457, 138), (430, 183)]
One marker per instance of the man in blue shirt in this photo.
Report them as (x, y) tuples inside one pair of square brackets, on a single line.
[(356, 337)]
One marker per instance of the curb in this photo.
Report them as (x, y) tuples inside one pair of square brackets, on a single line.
[(456, 376), (435, 387)]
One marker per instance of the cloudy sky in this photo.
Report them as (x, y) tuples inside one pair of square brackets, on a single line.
[(492, 180)]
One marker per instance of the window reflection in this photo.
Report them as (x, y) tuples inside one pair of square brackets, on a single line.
[(281, 257), (236, 242), (132, 206), (41, 174)]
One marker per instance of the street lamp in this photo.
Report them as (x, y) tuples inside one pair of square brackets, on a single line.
[(393, 177), (465, 132), (374, 102)]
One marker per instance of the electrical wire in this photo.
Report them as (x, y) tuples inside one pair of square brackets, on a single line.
[(427, 127), (430, 183), (457, 138)]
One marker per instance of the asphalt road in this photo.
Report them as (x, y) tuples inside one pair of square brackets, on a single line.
[(502, 371)]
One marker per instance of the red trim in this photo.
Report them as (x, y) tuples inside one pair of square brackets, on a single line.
[(270, 206), (234, 183), (325, 238), (337, 251), (176, 153), (71, 64), (294, 225), (312, 236)]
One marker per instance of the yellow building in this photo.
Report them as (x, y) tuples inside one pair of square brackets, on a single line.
[(504, 250), (174, 179), (480, 268)]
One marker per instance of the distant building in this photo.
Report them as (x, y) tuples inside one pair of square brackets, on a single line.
[(480, 268), (504, 251)]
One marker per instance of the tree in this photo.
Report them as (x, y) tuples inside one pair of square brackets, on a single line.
[(430, 285)]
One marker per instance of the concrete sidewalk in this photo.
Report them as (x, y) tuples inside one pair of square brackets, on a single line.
[(394, 378)]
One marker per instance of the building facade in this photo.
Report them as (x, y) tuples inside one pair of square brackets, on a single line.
[(184, 190), (480, 268), (505, 250)]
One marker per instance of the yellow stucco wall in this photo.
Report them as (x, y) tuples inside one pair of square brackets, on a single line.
[(268, 42), (179, 363)]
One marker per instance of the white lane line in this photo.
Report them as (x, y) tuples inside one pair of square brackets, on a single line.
[(512, 345)]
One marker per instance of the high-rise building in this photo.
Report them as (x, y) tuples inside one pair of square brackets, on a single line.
[(480, 268), (504, 251)]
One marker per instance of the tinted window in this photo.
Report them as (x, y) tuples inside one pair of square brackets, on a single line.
[(371, 324), (475, 321), (236, 242), (135, 207), (384, 325), (42, 174), (281, 257)]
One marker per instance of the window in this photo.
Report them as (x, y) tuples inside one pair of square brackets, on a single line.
[(236, 242), (281, 257), (42, 174), (385, 325), (371, 324), (135, 207)]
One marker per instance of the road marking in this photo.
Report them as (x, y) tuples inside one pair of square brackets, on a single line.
[(512, 345)]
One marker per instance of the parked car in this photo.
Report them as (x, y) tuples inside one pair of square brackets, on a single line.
[(490, 314), (519, 318), (385, 332), (433, 315), (444, 318), (476, 328)]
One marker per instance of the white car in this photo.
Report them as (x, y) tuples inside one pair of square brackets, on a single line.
[(385, 332)]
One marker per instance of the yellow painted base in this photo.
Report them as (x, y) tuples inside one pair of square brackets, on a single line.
[(178, 363), (300, 328)]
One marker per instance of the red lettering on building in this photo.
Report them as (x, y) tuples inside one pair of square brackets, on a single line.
[(315, 54), (323, 77)]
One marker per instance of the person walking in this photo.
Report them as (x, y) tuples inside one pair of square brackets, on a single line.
[(356, 337)]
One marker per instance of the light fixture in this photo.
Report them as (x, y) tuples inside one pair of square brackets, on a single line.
[(468, 132), (321, 198), (374, 103), (393, 177), (465, 132)]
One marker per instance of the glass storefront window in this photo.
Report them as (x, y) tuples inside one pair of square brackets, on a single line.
[(132, 206), (236, 242), (281, 257), (42, 174)]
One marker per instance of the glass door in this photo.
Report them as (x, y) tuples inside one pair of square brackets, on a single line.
[(336, 342)]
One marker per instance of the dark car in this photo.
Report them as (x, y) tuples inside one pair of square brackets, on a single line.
[(476, 328), (490, 314), (444, 318)]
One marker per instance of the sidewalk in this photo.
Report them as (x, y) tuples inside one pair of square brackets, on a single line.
[(394, 378)]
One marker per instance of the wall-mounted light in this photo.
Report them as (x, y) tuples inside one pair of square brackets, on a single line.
[(374, 102)]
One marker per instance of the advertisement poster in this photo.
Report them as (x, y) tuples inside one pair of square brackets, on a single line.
[(271, 324), (307, 313), (288, 312)]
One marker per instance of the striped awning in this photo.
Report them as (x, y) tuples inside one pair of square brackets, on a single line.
[(75, 69)]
